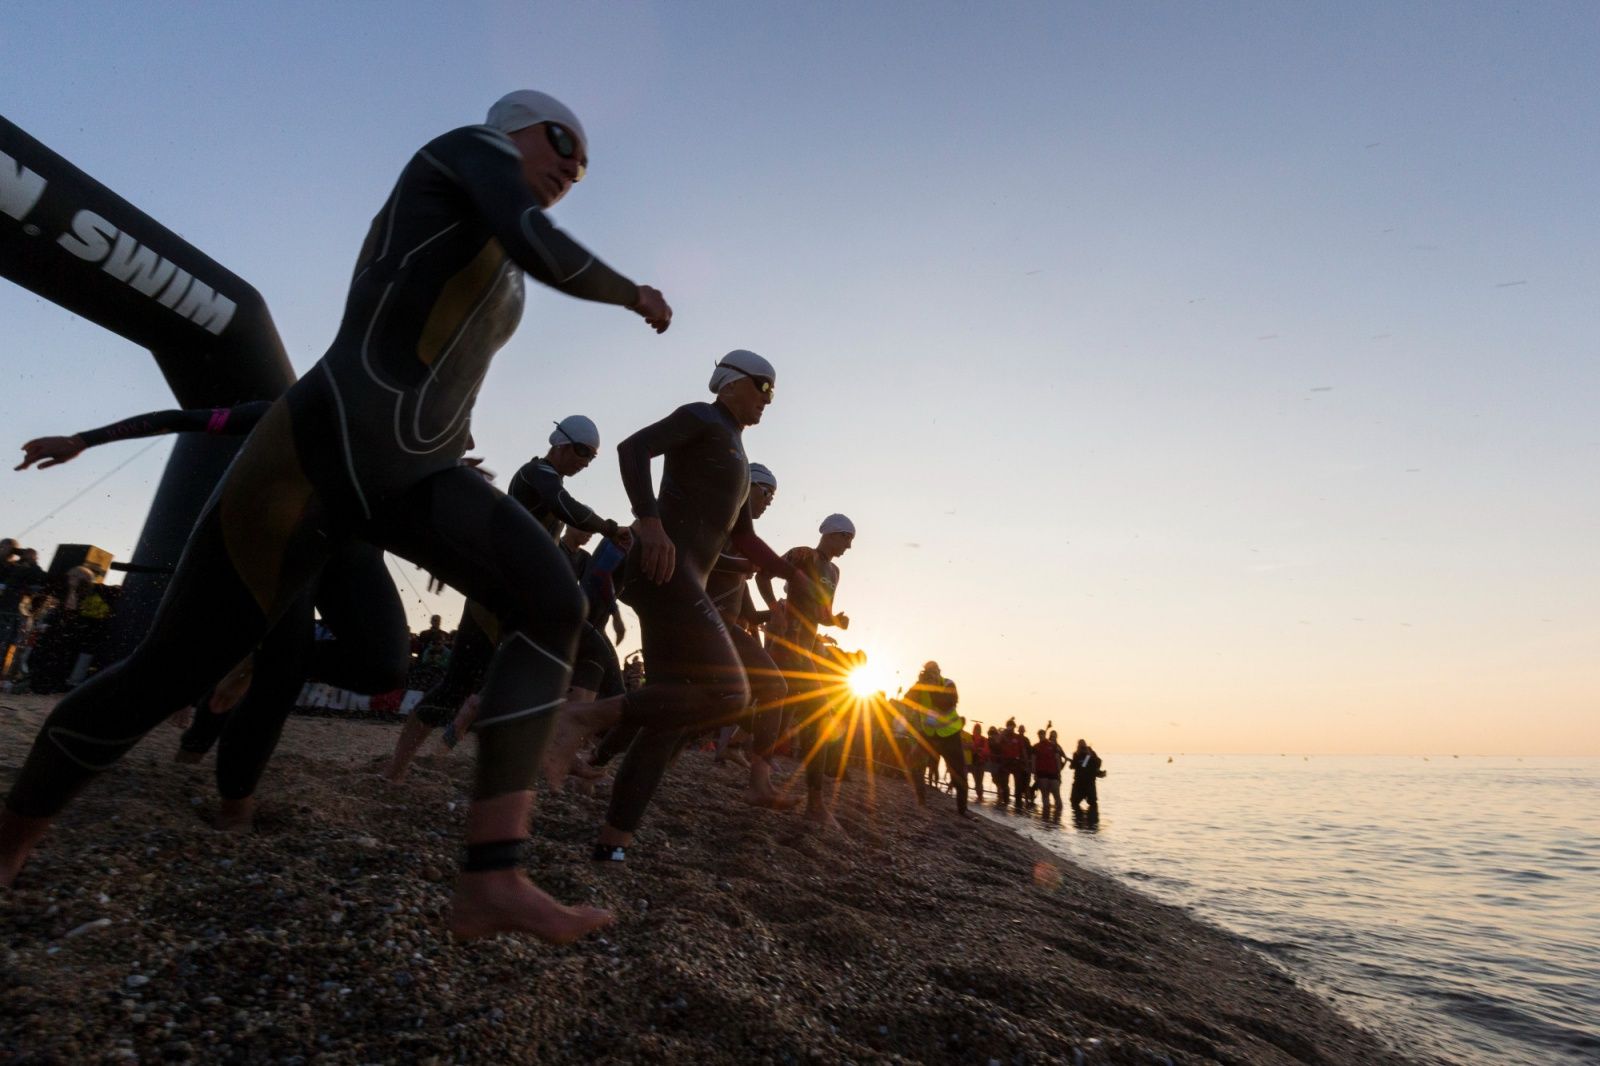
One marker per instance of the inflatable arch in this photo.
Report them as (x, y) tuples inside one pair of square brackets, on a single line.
[(71, 240)]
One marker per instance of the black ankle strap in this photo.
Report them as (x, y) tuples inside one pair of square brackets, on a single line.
[(495, 855)]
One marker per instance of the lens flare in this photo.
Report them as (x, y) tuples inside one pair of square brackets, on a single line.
[(867, 680)]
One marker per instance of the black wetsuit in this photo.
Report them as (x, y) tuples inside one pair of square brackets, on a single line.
[(367, 446), (697, 674), (729, 589), (1085, 769), (813, 681), (595, 668), (354, 594), (540, 489)]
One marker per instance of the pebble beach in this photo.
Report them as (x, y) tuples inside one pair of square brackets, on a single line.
[(141, 934)]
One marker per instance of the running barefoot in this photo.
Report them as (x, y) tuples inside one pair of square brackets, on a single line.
[(575, 723), (505, 901), (771, 799), (762, 792), (18, 835), (583, 770), (237, 816), (412, 735), (822, 816)]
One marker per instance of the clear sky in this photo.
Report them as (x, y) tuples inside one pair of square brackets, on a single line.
[(1200, 377)]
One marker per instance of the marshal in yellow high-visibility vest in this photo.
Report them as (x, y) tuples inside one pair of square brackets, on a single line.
[(936, 698)]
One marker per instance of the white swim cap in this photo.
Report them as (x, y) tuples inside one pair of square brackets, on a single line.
[(837, 523), (741, 363), (527, 107), (760, 475), (576, 429)]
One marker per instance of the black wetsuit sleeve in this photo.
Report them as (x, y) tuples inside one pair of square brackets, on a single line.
[(546, 485), (234, 421), (635, 453), (756, 550), (485, 164)]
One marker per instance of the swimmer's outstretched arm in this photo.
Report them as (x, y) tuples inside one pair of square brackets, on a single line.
[(233, 421), (489, 171)]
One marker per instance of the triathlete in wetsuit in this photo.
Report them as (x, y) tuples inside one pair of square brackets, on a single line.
[(811, 677), (354, 593), (696, 675), (728, 587), (539, 487), (596, 670), (367, 445)]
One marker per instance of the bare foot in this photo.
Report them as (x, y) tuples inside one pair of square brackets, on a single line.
[(237, 816), (822, 817), (771, 799), (187, 757), (505, 901), (18, 835), (575, 723)]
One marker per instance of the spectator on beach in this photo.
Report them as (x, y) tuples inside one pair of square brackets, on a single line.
[(68, 634), (1085, 769), (427, 645), (20, 581), (1048, 759)]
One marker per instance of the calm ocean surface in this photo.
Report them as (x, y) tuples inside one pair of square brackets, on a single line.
[(1450, 904)]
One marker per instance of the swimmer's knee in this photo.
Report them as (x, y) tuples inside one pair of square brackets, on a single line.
[(731, 694), (768, 691), (557, 614)]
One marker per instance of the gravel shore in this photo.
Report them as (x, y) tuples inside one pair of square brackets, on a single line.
[(140, 934)]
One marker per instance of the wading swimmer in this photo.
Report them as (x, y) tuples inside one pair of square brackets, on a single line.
[(367, 446)]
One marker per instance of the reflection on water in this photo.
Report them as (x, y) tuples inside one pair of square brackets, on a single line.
[(1449, 904)]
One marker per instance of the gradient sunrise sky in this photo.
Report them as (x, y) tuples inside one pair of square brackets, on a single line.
[(1200, 377)]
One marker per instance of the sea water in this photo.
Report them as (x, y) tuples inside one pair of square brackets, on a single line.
[(1450, 904)]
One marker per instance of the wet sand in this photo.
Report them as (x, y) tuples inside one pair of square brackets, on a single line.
[(138, 933)]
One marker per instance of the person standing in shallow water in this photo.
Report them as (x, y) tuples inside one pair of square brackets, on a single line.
[(1085, 770), (1048, 759), (368, 445)]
